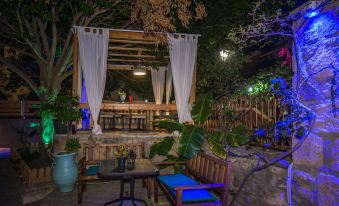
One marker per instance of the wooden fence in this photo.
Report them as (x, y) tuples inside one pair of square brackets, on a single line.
[(31, 175), (251, 111), (17, 109)]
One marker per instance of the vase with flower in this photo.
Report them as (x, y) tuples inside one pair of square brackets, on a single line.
[(122, 95), (121, 154)]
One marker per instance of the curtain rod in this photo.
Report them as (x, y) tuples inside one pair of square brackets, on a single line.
[(138, 31)]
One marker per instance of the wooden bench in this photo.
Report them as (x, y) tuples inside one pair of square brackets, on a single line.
[(208, 173), (92, 155)]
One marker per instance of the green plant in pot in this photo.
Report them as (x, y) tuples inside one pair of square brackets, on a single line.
[(72, 145), (191, 135), (121, 154)]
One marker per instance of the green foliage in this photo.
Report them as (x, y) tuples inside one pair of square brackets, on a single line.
[(66, 109), (261, 83), (170, 125), (191, 141), (202, 109), (215, 142), (161, 148), (72, 145), (238, 136), (191, 137)]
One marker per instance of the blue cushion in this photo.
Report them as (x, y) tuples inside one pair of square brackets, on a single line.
[(200, 195), (92, 170)]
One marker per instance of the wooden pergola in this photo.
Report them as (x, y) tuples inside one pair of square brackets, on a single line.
[(128, 48)]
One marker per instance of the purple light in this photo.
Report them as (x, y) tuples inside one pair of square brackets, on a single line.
[(5, 152)]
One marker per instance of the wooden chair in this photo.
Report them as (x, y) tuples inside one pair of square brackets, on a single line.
[(205, 173), (88, 165)]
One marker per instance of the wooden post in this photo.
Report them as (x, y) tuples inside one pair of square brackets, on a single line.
[(75, 81), (193, 88)]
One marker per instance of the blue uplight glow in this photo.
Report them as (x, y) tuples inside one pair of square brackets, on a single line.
[(311, 13)]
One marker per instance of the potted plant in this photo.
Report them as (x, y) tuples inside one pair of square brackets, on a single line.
[(122, 95), (121, 154), (65, 172)]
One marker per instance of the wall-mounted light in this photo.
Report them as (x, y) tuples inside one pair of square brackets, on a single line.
[(224, 54), (311, 10)]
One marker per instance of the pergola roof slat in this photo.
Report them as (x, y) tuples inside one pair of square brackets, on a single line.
[(133, 55), (125, 41), (132, 60), (127, 49)]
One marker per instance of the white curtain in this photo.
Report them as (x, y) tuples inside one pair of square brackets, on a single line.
[(168, 83), (93, 48), (158, 81), (182, 50)]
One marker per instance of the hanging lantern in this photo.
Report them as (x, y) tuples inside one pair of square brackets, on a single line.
[(131, 160)]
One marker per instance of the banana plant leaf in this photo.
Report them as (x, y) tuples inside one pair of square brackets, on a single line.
[(191, 140), (161, 148), (170, 125), (202, 109), (238, 136), (215, 144)]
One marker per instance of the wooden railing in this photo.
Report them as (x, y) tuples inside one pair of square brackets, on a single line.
[(251, 111), (139, 111), (16, 109)]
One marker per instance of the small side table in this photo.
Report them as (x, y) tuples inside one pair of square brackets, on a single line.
[(144, 168)]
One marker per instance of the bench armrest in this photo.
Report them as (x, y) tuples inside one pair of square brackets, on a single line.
[(81, 167), (198, 187)]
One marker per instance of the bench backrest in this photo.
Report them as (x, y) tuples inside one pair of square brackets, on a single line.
[(210, 169), (93, 153)]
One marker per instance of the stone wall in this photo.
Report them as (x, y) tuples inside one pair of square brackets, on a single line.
[(316, 163), (264, 188)]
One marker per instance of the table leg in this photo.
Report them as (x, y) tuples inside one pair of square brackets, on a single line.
[(155, 181), (131, 197), (132, 183)]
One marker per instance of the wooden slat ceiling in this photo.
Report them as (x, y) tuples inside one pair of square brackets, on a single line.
[(130, 48)]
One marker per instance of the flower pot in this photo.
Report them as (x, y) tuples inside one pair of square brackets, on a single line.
[(121, 163), (65, 171)]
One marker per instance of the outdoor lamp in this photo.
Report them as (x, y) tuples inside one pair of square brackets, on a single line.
[(312, 10), (139, 71), (224, 54)]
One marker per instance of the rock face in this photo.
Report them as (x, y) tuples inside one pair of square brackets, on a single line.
[(316, 163), (264, 188)]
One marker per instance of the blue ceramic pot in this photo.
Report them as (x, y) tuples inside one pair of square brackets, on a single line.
[(65, 171)]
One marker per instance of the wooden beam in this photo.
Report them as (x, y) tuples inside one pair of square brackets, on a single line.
[(135, 35), (133, 55), (133, 60), (127, 49), (75, 66), (119, 67), (132, 41)]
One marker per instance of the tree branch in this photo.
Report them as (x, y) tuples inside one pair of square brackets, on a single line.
[(44, 38), (20, 72), (54, 41)]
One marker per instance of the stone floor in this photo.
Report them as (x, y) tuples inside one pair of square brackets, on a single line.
[(96, 194), (9, 184)]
